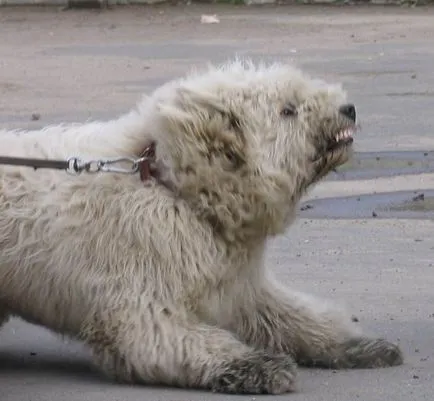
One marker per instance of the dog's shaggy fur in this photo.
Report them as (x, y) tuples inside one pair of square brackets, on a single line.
[(164, 280)]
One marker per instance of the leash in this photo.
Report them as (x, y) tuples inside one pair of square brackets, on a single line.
[(76, 166)]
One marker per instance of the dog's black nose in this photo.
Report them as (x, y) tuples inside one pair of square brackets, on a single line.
[(348, 110)]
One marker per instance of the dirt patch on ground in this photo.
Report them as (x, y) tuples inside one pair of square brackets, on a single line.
[(370, 165), (390, 205)]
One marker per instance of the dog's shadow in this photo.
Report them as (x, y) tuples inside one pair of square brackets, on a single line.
[(77, 369), (80, 368)]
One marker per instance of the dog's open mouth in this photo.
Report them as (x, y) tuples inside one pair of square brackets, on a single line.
[(343, 139), (337, 152)]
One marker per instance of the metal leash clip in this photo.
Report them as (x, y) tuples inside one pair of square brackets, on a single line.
[(77, 166)]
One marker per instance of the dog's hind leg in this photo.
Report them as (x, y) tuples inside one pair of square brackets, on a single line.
[(160, 348)]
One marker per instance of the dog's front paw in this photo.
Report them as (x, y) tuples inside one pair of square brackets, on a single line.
[(257, 373), (370, 353)]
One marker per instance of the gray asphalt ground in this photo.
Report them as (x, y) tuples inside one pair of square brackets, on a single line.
[(73, 66)]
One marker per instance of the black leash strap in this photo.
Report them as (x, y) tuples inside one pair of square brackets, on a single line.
[(35, 163), (75, 166)]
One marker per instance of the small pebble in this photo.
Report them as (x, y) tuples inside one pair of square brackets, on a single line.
[(419, 197)]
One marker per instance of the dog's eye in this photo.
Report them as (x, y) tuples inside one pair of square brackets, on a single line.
[(234, 159), (289, 110)]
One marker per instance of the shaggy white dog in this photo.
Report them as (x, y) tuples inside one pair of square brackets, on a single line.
[(164, 279)]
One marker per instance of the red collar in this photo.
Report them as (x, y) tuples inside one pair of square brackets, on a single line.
[(145, 169), (148, 168)]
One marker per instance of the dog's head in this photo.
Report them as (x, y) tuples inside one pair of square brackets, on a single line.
[(244, 142)]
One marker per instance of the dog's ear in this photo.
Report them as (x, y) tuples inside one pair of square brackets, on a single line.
[(200, 124), (189, 107), (199, 100)]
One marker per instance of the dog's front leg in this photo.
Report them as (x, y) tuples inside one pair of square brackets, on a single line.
[(158, 345), (277, 320)]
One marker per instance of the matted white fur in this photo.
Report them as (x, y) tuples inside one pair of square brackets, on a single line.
[(167, 284)]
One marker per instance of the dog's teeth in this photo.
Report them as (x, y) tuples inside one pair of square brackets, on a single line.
[(344, 134)]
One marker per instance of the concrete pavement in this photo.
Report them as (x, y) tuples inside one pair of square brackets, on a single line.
[(68, 66)]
